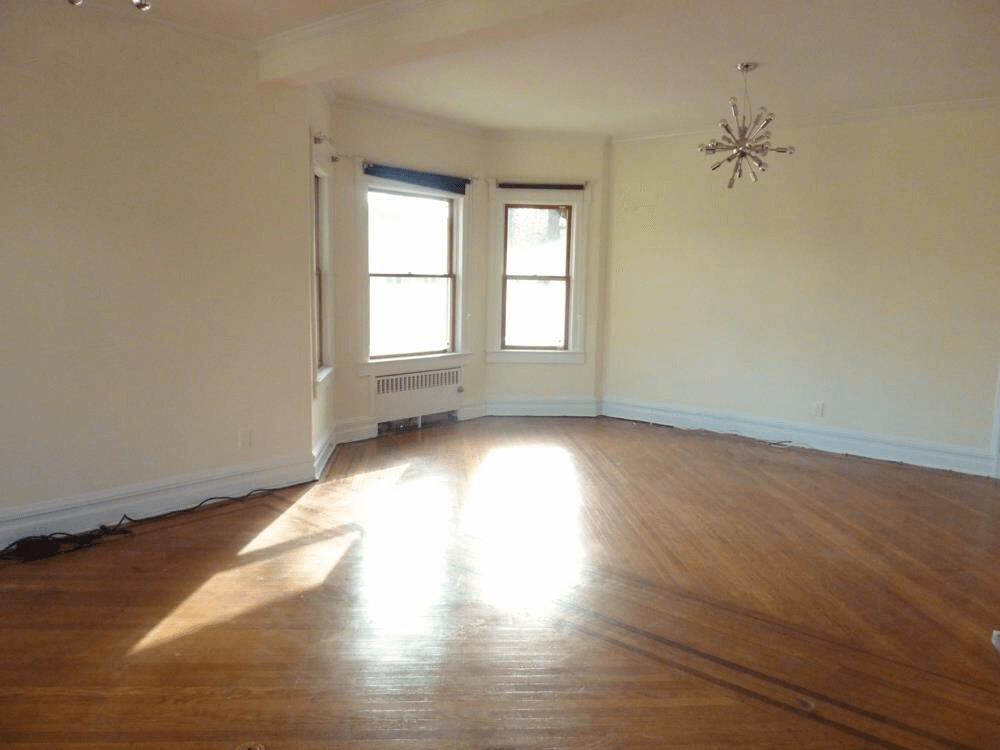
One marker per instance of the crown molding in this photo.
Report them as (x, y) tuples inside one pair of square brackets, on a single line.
[(364, 106), (122, 10), (357, 18), (840, 118)]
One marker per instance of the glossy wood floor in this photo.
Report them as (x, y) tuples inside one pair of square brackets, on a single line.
[(529, 583)]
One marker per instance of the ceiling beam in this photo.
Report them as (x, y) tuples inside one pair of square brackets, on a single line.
[(404, 31)]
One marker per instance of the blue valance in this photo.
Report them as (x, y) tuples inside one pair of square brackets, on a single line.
[(414, 177)]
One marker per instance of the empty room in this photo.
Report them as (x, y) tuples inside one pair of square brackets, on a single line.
[(387, 374)]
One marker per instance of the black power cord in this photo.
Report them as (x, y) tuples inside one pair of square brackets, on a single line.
[(39, 547)]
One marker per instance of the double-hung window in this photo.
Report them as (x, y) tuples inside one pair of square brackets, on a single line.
[(539, 264), (536, 277), (411, 273)]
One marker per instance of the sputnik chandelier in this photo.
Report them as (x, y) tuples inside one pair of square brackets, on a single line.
[(747, 143), (139, 4)]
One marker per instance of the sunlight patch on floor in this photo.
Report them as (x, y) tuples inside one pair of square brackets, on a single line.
[(295, 553), (524, 514)]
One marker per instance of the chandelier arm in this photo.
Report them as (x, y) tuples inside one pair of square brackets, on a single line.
[(736, 166), (763, 124), (746, 94), (725, 161)]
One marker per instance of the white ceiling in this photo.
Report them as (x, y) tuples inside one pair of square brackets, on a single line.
[(672, 70), (250, 20), (670, 66)]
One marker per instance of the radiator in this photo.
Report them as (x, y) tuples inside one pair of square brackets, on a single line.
[(414, 394)]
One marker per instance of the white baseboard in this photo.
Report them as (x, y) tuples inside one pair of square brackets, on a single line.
[(88, 511), (915, 452), (363, 428), (995, 442), (321, 454), (359, 428), (541, 407), (471, 411)]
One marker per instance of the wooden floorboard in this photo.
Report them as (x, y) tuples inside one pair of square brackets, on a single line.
[(529, 583)]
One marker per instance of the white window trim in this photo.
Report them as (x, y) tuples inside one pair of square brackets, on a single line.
[(323, 370), (421, 362), (367, 365), (580, 201)]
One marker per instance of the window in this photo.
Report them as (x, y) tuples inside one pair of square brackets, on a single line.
[(536, 277), (411, 273), (322, 291), (536, 288), (318, 328)]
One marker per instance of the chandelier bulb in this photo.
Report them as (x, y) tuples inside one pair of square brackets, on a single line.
[(137, 4)]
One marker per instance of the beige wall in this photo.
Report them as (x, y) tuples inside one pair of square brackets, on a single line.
[(364, 133), (154, 255), (555, 158), (400, 140), (862, 272)]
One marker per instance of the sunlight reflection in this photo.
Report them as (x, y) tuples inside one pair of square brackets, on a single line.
[(407, 528), (524, 512), (296, 552)]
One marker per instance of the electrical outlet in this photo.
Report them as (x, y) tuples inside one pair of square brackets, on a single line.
[(244, 440), (819, 409)]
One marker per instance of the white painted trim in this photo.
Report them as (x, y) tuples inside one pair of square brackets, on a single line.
[(542, 407), (366, 15), (536, 358), (581, 203), (364, 106), (413, 364), (358, 428), (473, 410), (321, 454), (460, 227), (530, 407), (840, 118), (915, 452), (995, 442), (90, 510)]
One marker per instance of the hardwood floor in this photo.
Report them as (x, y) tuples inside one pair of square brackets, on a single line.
[(529, 583)]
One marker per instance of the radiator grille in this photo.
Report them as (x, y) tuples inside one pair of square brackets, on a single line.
[(417, 381)]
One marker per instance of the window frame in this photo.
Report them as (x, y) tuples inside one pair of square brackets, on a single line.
[(458, 221), (578, 202), (567, 278), (322, 301)]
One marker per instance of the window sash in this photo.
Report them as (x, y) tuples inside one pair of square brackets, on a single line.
[(318, 241), (519, 277), (450, 276)]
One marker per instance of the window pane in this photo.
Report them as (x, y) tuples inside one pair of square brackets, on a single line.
[(536, 240), (407, 233), (409, 316), (536, 314)]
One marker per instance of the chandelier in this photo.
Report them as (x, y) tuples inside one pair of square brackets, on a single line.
[(746, 142), (139, 4)]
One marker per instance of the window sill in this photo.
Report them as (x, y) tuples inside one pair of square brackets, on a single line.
[(323, 374), (401, 364), (536, 358)]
